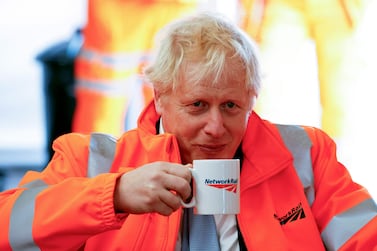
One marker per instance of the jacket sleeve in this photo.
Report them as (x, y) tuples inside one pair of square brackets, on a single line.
[(345, 212), (59, 208)]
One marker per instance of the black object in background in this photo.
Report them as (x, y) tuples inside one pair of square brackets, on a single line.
[(58, 85)]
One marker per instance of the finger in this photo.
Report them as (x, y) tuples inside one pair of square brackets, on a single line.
[(165, 203), (171, 200), (163, 209), (179, 170), (179, 185)]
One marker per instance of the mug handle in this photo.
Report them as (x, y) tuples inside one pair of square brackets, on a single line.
[(192, 203)]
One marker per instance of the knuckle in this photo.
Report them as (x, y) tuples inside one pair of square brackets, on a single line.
[(188, 175)]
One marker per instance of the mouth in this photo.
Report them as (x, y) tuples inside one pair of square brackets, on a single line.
[(212, 149)]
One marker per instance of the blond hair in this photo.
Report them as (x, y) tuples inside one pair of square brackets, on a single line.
[(203, 47)]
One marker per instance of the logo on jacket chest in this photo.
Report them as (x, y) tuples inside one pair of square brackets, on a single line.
[(292, 215)]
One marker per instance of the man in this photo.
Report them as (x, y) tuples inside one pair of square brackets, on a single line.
[(98, 193)]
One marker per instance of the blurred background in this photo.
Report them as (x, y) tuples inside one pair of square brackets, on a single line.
[(74, 65)]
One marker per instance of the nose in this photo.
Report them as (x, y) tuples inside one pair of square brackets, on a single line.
[(215, 124)]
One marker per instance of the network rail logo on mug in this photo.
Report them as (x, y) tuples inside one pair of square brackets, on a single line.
[(227, 184)]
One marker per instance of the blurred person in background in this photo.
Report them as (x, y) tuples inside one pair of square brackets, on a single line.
[(105, 193), (281, 28), (118, 37)]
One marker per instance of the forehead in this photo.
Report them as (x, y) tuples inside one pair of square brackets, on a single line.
[(207, 91), (231, 75), (209, 85)]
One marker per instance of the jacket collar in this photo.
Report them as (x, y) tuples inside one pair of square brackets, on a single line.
[(264, 151)]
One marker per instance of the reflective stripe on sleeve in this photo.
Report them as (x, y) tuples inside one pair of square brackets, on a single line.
[(101, 153), (298, 142), (123, 66), (34, 183), (109, 87), (22, 216), (343, 226), (119, 61)]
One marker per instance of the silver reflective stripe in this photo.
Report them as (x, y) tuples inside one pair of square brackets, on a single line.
[(112, 87), (34, 183), (345, 225), (101, 153), (127, 63), (298, 142), (22, 216), (120, 61)]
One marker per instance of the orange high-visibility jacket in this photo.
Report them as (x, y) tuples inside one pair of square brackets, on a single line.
[(118, 37), (284, 205)]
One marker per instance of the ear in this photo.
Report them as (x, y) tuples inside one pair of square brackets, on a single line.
[(253, 102), (157, 101)]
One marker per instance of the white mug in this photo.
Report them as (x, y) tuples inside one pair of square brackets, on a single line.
[(216, 186)]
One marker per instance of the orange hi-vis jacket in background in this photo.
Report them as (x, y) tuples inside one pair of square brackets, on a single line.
[(282, 29), (118, 37), (284, 204)]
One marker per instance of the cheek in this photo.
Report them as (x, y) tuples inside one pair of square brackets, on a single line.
[(187, 130), (178, 123), (237, 129), (238, 132)]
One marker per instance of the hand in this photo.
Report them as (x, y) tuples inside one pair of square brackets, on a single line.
[(155, 187)]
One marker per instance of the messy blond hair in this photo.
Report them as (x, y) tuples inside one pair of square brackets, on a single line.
[(216, 48)]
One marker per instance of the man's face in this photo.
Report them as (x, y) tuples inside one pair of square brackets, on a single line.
[(209, 122)]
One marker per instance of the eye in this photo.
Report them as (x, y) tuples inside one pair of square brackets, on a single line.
[(197, 107), (230, 105), (197, 104)]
